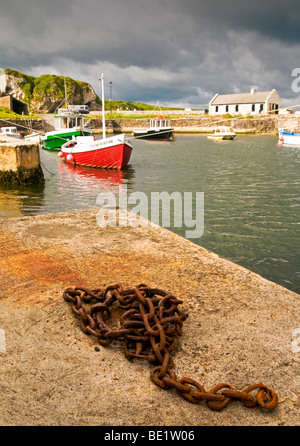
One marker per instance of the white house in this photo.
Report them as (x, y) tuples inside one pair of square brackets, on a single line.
[(253, 103)]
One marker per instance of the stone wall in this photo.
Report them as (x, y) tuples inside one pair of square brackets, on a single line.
[(20, 163), (186, 125), (24, 125)]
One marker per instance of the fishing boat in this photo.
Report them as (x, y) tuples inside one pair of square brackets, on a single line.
[(34, 137), (289, 136), (67, 126), (112, 153), (159, 129), (222, 132), (11, 132)]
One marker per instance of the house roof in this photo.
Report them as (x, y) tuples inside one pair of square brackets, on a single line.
[(242, 98)]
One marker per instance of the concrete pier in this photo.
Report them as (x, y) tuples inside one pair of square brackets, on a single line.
[(19, 162), (241, 328)]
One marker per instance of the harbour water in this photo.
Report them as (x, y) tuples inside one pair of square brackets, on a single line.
[(250, 186)]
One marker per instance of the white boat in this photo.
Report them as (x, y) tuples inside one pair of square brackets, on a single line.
[(34, 137), (111, 153), (159, 129), (11, 132), (222, 132), (290, 137)]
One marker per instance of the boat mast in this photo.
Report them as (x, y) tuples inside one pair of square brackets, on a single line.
[(66, 98), (103, 106)]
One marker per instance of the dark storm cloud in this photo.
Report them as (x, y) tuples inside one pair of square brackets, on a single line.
[(275, 19), (173, 51)]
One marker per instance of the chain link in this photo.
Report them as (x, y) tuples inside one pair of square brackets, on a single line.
[(150, 324)]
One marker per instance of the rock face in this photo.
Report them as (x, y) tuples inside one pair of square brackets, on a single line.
[(46, 93)]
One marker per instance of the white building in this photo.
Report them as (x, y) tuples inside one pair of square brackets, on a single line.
[(253, 103)]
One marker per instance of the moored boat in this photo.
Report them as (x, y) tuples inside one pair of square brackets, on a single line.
[(67, 126), (34, 137), (290, 137), (222, 132), (112, 153), (11, 132), (159, 128)]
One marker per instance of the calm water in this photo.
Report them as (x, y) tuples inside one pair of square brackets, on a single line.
[(250, 185)]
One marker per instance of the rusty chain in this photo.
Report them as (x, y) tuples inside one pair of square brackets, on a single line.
[(150, 324)]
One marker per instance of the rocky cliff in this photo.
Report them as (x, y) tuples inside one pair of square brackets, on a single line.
[(46, 93)]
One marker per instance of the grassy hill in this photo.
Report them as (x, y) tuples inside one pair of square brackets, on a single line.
[(46, 92), (129, 105)]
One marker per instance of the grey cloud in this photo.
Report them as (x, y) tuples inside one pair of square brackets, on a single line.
[(168, 50)]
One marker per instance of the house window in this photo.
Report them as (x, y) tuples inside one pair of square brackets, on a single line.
[(236, 108), (261, 107), (227, 108), (253, 107), (217, 108)]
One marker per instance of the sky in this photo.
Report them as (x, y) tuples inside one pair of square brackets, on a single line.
[(173, 52)]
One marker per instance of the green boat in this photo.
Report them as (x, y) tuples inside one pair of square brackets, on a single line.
[(68, 125)]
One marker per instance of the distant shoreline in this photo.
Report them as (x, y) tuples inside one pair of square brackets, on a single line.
[(268, 125)]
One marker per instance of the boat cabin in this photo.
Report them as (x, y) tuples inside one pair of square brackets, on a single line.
[(68, 120), (10, 131), (159, 122), (223, 130)]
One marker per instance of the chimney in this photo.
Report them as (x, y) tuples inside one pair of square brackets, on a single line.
[(253, 90)]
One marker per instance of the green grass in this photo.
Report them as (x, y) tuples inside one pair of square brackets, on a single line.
[(36, 88), (130, 105)]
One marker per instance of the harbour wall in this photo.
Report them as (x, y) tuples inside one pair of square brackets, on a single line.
[(24, 125), (241, 328), (264, 125), (182, 124), (20, 163)]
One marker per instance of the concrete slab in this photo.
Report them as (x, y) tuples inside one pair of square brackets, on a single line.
[(241, 328)]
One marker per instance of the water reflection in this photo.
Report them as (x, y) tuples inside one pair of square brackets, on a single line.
[(18, 201), (105, 177), (67, 187)]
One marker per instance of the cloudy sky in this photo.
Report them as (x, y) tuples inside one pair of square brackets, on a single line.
[(175, 52)]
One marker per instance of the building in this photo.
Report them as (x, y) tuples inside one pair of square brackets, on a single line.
[(253, 103), (14, 104)]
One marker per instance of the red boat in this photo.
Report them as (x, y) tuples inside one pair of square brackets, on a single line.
[(111, 153)]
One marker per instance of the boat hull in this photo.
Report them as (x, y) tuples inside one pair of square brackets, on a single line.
[(55, 141), (162, 135), (289, 138), (110, 153), (223, 137)]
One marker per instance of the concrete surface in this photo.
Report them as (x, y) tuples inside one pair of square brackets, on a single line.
[(241, 328)]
